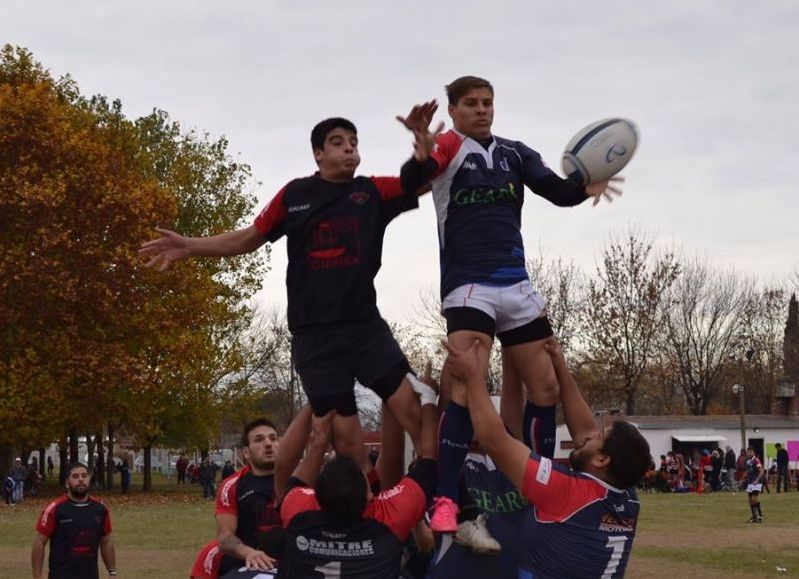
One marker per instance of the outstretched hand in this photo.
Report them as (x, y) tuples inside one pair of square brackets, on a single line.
[(418, 122), (167, 249), (609, 188)]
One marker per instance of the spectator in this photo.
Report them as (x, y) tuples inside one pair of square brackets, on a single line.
[(740, 468), (207, 478), (181, 465), (125, 475), (730, 465), (18, 473), (50, 466), (782, 467), (33, 479), (716, 462), (227, 470)]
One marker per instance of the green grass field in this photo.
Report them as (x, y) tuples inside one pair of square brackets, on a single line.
[(683, 536)]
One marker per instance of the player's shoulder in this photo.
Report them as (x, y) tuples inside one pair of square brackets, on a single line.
[(97, 503), (302, 183), (55, 503), (515, 145)]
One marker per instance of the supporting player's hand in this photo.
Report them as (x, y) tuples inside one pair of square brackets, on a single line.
[(464, 364), (554, 349), (321, 427), (609, 188), (167, 249), (259, 560)]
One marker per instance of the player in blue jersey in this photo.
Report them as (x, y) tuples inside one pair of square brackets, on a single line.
[(755, 474), (583, 519), (478, 182)]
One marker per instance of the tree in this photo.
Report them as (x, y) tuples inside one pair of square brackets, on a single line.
[(704, 315), (623, 308)]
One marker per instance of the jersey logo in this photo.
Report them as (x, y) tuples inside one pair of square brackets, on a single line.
[(359, 197), (503, 162), (298, 208), (544, 471), (612, 524), (470, 165)]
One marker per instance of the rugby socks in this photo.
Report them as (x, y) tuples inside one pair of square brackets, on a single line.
[(455, 434), (539, 429), (759, 511)]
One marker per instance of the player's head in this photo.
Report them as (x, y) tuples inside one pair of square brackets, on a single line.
[(341, 489), (778, 446), (750, 452), (620, 456), (335, 148), (78, 478), (471, 106), (259, 444)]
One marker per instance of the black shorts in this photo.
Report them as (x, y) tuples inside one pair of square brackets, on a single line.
[(330, 360), (472, 319)]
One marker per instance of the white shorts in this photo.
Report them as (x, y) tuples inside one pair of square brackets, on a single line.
[(754, 488), (509, 306)]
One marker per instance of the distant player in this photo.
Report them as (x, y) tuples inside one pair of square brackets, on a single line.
[(754, 473), (478, 182), (584, 519), (78, 527)]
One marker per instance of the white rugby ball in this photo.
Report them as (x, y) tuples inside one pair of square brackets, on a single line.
[(600, 150)]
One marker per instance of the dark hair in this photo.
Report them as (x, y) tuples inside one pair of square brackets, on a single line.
[(72, 466), (322, 128), (245, 435), (460, 86), (778, 445), (629, 454), (341, 489)]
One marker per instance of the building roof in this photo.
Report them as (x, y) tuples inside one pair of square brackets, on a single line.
[(731, 421)]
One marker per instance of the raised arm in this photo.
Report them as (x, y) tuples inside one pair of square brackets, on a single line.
[(509, 454), (172, 247), (292, 445), (308, 469), (578, 415)]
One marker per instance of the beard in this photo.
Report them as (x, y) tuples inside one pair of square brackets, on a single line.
[(578, 460), (79, 493), (265, 464)]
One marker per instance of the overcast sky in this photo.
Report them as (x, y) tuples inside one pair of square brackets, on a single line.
[(712, 85)]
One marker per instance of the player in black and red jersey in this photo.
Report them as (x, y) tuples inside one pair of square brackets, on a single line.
[(335, 527), (77, 527), (334, 222)]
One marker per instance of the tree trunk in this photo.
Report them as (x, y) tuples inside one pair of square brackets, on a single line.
[(5, 459), (109, 460), (63, 461), (73, 446), (98, 443), (630, 403), (147, 486), (90, 462), (42, 458)]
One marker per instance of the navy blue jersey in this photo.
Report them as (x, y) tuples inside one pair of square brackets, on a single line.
[(491, 491), (478, 195), (752, 467), (335, 242), (580, 527)]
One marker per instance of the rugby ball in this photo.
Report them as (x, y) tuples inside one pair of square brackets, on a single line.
[(600, 150)]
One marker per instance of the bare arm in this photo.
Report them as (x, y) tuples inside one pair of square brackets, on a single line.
[(509, 454), (108, 552), (232, 546), (578, 415), (291, 447), (37, 555), (172, 247), (309, 467), (389, 465)]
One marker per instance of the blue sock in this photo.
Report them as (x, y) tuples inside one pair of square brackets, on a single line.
[(455, 435), (539, 429)]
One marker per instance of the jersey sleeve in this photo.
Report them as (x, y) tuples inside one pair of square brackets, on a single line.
[(393, 197), (208, 561), (447, 146), (270, 222), (227, 497), (399, 508), (107, 524), (556, 491), (45, 524), (298, 500)]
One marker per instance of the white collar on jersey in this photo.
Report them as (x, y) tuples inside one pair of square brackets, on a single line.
[(600, 481)]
